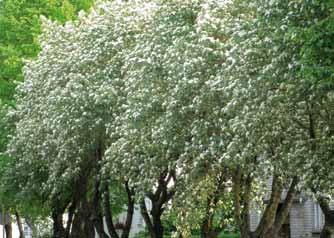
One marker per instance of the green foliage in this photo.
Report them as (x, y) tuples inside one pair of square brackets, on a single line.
[(317, 50), (19, 29)]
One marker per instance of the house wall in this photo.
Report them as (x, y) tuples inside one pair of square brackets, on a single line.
[(255, 217), (297, 220)]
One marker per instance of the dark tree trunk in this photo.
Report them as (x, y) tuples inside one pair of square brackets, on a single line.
[(19, 224), (153, 222), (58, 228), (246, 201), (69, 222), (96, 211), (241, 200), (108, 215), (158, 198), (82, 226), (147, 219), (8, 230), (282, 215), (269, 215), (130, 210), (208, 231), (328, 229), (236, 190), (206, 226), (157, 224)]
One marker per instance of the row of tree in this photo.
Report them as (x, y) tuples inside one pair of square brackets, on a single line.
[(193, 105), (20, 27)]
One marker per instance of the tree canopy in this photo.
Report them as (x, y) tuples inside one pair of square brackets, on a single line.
[(190, 105)]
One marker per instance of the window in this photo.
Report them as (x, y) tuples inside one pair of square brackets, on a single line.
[(27, 231), (318, 218)]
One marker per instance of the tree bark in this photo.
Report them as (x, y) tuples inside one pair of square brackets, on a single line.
[(107, 210), (328, 229), (58, 228), (19, 224), (130, 210), (157, 224), (8, 230), (69, 222), (281, 217), (147, 219), (269, 215), (241, 190), (96, 211), (236, 190), (159, 198), (246, 203), (82, 226)]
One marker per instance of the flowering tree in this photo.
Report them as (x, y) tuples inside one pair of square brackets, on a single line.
[(171, 99), (65, 106), (269, 79), (20, 26)]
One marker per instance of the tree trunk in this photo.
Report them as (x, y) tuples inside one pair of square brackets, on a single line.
[(130, 210), (282, 215), (246, 203), (328, 229), (206, 226), (8, 230), (82, 226), (159, 198), (147, 219), (241, 190), (69, 222), (108, 215), (269, 215), (58, 228), (19, 224), (157, 224), (153, 222), (96, 211), (236, 190)]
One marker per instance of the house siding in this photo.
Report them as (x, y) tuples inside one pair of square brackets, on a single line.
[(302, 219), (255, 217), (302, 215), (309, 217)]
